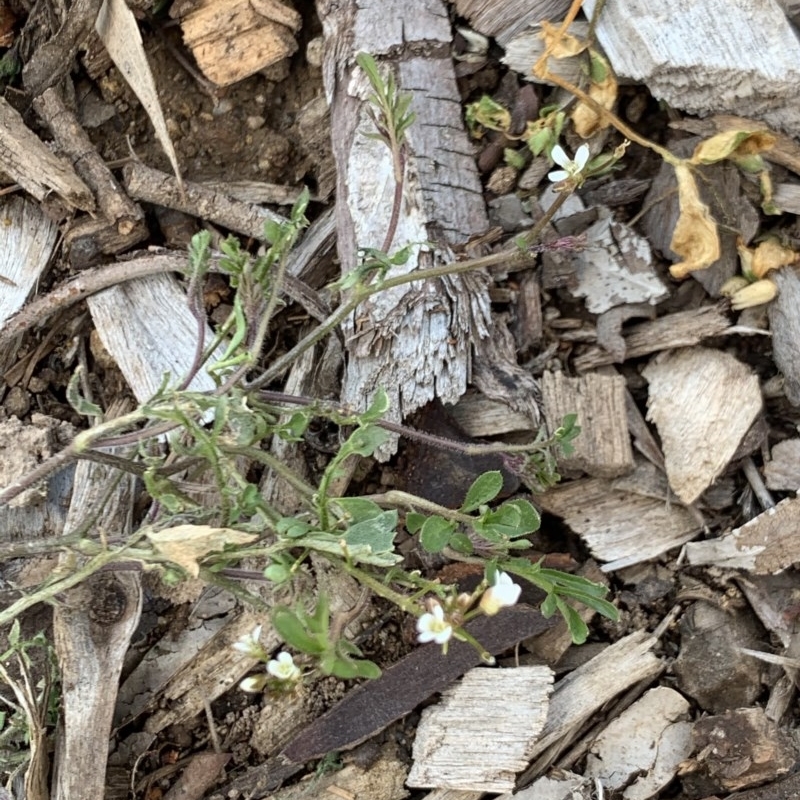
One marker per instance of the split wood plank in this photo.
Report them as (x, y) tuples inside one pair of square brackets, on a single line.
[(682, 329), (500, 712), (503, 19), (715, 56), (92, 630), (603, 449), (561, 786), (31, 164), (27, 241), (619, 527), (233, 39), (414, 341), (702, 402), (766, 544), (148, 329), (578, 696), (480, 417)]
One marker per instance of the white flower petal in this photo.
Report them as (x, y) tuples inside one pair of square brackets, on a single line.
[(283, 667), (559, 156), (582, 157), (432, 627), (557, 175)]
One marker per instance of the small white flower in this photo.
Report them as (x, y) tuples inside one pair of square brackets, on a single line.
[(433, 627), (504, 592), (249, 644), (283, 667), (571, 168)]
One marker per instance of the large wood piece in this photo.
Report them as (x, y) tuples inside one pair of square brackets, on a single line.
[(415, 340)]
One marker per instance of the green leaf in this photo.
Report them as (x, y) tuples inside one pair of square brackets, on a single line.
[(414, 521), (461, 543), (357, 509), (277, 573), (293, 528), (549, 606), (436, 533), (74, 397), (377, 533), (483, 490), (529, 519), (500, 525), (366, 440), (578, 629), (377, 408), (294, 633)]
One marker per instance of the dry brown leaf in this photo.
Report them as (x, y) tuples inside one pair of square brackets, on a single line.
[(560, 45), (119, 31), (695, 237), (187, 545), (603, 90), (771, 254), (732, 143)]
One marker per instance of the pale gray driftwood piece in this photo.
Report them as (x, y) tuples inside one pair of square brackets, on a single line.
[(782, 471), (147, 327), (619, 527), (415, 340), (586, 690), (92, 629), (785, 326), (682, 329), (603, 448), (500, 712), (29, 162), (525, 48), (27, 241), (453, 794), (766, 544), (639, 751), (502, 19), (707, 57), (702, 402)]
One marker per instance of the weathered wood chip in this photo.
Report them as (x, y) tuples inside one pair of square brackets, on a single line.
[(767, 544), (372, 706), (498, 711), (703, 402)]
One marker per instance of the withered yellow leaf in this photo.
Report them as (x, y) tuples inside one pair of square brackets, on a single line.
[(771, 254), (732, 143), (603, 90), (695, 238), (560, 45), (187, 545)]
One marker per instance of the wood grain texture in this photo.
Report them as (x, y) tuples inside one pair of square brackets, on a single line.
[(702, 402), (489, 711), (715, 56), (415, 340)]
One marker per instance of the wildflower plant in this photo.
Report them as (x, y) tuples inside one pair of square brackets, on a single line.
[(185, 439)]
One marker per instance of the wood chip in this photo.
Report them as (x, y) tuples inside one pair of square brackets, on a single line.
[(640, 750), (767, 544), (27, 240), (710, 57), (148, 328), (782, 471), (497, 711), (233, 39), (480, 417), (703, 402), (619, 527), (586, 690), (502, 19), (682, 329), (603, 448)]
